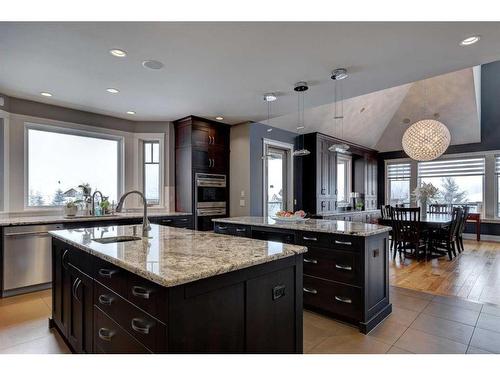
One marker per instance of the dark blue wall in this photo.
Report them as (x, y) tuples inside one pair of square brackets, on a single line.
[(490, 132), (257, 133)]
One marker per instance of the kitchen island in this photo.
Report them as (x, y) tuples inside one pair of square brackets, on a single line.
[(346, 268), (179, 291)]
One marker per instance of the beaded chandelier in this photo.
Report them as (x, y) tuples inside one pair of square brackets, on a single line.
[(426, 140)]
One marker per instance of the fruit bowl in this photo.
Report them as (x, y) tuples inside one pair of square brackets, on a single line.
[(286, 216)]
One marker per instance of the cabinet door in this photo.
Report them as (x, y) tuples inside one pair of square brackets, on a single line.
[(332, 181), (200, 135), (219, 136), (80, 330), (270, 313), (201, 160), (59, 276), (322, 169), (218, 160)]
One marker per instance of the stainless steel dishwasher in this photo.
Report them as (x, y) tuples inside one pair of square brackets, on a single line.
[(27, 259)]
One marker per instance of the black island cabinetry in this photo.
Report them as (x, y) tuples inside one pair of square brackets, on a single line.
[(345, 276), (99, 307)]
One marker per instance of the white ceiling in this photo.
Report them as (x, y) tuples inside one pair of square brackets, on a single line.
[(224, 68)]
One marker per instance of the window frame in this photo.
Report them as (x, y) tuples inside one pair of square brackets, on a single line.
[(141, 139), (144, 163), (347, 161), (387, 182), (76, 132), (288, 147)]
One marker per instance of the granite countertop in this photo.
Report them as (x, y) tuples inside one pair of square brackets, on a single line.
[(311, 225), (175, 256), (12, 220)]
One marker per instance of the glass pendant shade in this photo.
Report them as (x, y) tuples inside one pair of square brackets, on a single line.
[(426, 140)]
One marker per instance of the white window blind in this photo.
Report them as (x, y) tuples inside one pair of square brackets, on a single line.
[(497, 164), (451, 167), (398, 171)]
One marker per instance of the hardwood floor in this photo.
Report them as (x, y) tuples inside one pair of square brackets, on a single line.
[(473, 275)]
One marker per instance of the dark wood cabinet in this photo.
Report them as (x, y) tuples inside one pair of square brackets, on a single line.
[(345, 276), (257, 309), (201, 146), (365, 180), (319, 174)]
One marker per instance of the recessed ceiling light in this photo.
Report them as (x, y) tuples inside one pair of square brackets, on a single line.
[(118, 52), (130, 112), (470, 40), (46, 94), (112, 91), (219, 118), (152, 64), (339, 74), (270, 97)]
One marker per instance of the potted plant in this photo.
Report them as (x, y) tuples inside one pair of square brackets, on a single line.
[(105, 205), (423, 194), (71, 208)]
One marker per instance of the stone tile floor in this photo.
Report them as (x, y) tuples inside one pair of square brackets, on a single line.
[(420, 323)]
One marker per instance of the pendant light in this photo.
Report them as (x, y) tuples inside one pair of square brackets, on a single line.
[(300, 88), (268, 99), (426, 139), (339, 74)]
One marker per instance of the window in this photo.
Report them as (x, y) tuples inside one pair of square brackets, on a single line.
[(60, 160), (151, 171), (398, 183), (343, 178), (497, 173), (459, 181)]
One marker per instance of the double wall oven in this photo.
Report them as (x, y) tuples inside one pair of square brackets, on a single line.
[(211, 199)]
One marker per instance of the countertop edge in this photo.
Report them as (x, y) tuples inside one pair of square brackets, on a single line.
[(369, 233)]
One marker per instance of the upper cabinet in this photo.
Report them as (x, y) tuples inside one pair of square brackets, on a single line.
[(365, 180)]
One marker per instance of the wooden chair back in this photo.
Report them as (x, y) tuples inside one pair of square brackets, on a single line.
[(385, 211), (406, 224), (456, 218), (463, 220)]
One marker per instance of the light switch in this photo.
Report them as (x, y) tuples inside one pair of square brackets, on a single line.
[(242, 203)]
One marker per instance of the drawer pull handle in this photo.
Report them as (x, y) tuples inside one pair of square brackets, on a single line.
[(240, 230), (310, 290), (184, 220), (105, 300), (310, 238), (138, 325), (139, 291), (105, 334), (343, 299), (167, 220), (222, 228), (343, 243), (63, 259), (313, 261), (343, 267), (104, 272)]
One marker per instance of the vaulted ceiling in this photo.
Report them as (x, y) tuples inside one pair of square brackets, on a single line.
[(379, 119)]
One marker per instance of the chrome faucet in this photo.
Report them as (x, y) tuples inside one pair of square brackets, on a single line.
[(92, 202), (146, 226)]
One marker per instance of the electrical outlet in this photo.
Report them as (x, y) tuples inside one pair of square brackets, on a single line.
[(242, 203), (242, 194)]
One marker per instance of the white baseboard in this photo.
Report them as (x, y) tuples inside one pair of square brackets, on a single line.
[(485, 237)]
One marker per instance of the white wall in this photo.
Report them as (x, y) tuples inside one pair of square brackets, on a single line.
[(239, 170), (15, 162)]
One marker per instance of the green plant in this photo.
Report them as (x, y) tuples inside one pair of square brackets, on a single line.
[(104, 205), (74, 203)]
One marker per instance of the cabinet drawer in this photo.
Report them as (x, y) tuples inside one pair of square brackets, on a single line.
[(339, 299), (232, 229), (147, 295), (110, 338), (111, 276), (147, 330), (77, 258), (331, 241), (343, 266), (178, 222)]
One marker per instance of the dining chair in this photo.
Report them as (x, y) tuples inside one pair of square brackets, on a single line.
[(407, 231), (461, 228), (438, 208), (386, 214), (447, 238)]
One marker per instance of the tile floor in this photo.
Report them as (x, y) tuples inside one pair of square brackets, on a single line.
[(420, 323)]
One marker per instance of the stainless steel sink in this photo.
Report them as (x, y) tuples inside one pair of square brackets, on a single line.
[(117, 239)]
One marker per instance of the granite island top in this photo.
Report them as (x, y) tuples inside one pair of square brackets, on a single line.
[(311, 225), (14, 220), (175, 256)]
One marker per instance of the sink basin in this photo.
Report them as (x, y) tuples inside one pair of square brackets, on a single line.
[(117, 239)]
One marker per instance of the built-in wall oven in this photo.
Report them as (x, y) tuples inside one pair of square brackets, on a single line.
[(211, 199)]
